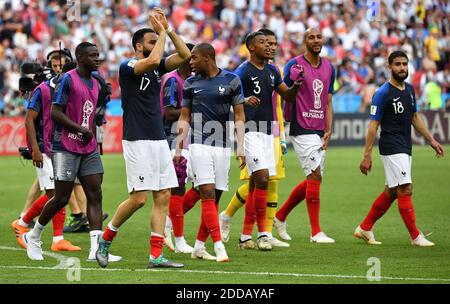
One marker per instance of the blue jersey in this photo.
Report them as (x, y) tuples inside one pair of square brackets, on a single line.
[(36, 105), (261, 84), (210, 100), (394, 109), (140, 102), (170, 99)]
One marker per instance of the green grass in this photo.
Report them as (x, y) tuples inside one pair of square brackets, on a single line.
[(346, 197)]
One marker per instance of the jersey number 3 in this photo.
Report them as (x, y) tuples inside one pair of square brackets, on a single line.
[(257, 88), (398, 107), (144, 83)]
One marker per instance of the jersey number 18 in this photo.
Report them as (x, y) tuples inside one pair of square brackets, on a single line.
[(398, 107)]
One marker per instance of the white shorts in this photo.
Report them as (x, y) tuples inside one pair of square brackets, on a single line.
[(45, 174), (185, 154), (309, 152), (210, 165), (259, 152), (397, 169), (149, 165)]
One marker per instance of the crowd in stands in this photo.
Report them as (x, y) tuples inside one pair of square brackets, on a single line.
[(358, 37)]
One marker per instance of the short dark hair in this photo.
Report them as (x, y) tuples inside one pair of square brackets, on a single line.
[(266, 32), (249, 38), (396, 54), (139, 36), (81, 48), (206, 49), (190, 46)]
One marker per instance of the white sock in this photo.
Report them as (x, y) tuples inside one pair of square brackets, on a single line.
[(180, 240), (245, 237), (112, 228), (218, 245), (22, 223), (260, 234), (168, 223), (94, 234), (199, 245), (58, 238), (156, 234), (269, 235), (36, 232), (226, 217)]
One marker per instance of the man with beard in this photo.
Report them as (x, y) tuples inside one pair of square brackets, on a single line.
[(394, 110), (310, 131), (74, 147), (147, 155)]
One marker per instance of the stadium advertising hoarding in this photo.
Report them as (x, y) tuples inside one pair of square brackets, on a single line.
[(351, 129), (348, 130)]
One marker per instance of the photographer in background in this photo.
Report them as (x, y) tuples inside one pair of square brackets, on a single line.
[(39, 127)]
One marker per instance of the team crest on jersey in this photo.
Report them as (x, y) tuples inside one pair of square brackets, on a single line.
[(373, 110), (272, 80), (156, 72), (221, 90)]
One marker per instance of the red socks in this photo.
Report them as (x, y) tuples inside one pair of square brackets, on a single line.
[(176, 214), (313, 204), (250, 214), (202, 234), (379, 207), (406, 209), (156, 245), (109, 235), (35, 209), (211, 218), (260, 202), (58, 222), (190, 198), (296, 196)]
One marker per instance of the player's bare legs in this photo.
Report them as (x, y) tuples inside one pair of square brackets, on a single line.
[(135, 201), (33, 195), (160, 210), (255, 210), (313, 182), (210, 197)]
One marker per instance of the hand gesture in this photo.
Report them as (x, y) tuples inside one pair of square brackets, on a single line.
[(38, 160), (241, 158), (156, 24), (366, 165), (159, 14), (252, 101), (437, 147), (87, 135), (297, 73), (326, 140)]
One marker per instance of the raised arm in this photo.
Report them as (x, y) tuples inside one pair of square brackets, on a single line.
[(182, 54), (152, 62)]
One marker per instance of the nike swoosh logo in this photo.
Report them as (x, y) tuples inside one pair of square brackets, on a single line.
[(253, 78), (395, 99), (197, 91)]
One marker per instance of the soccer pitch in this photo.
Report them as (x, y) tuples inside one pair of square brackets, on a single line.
[(346, 196)]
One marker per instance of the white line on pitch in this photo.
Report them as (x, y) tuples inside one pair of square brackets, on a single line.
[(229, 272), (280, 274)]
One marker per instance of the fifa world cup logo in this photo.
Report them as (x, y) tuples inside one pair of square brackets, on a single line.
[(318, 88), (88, 108)]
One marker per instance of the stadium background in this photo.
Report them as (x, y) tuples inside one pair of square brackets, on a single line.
[(357, 43)]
